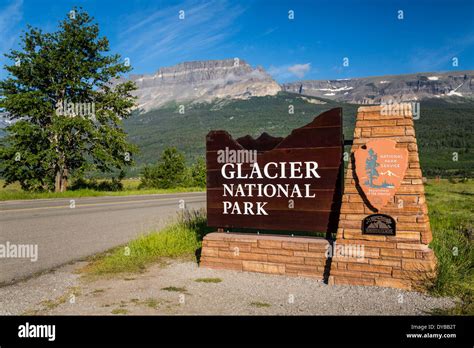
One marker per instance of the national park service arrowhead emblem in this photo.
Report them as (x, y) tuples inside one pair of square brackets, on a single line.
[(380, 168)]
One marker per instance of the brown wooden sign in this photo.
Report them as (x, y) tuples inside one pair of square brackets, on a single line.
[(269, 183)]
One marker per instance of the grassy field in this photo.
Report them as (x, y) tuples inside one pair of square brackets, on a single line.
[(452, 221), (451, 210), (181, 239), (14, 191)]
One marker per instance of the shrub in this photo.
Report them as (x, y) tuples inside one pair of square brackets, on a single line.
[(169, 172)]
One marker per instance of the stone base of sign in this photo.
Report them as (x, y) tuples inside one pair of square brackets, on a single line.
[(290, 256), (401, 261)]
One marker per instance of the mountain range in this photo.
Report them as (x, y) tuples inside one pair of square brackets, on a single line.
[(204, 81), (244, 100), (235, 79)]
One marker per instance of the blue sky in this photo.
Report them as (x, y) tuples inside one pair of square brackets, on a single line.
[(313, 45)]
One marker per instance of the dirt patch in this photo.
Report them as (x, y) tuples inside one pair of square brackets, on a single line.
[(181, 287)]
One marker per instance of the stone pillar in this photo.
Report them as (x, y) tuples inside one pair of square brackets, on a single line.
[(401, 261)]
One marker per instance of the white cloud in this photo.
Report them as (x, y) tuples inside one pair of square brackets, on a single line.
[(285, 72), (299, 70), (10, 16), (205, 26)]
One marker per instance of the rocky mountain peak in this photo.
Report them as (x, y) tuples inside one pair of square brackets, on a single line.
[(203, 81)]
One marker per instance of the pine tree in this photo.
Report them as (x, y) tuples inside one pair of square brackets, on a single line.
[(64, 93)]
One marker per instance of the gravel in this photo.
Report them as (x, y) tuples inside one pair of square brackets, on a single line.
[(173, 289)]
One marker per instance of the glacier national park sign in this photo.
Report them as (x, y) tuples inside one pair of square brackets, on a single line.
[(270, 183), (375, 215)]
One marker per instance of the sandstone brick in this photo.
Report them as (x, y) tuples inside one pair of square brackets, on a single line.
[(264, 244), (240, 246), (223, 260), (377, 123), (405, 122), (353, 273), (413, 275), (352, 281), (352, 208), (426, 238), (393, 283), (263, 267), (369, 268), (357, 133), (412, 226), (392, 131), (354, 224), (208, 251), (426, 255), (319, 254), (305, 268), (369, 109), (390, 263), (406, 219), (294, 245), (220, 265), (370, 252), (413, 147), (357, 217), (418, 265), (286, 259), (272, 251), (316, 275), (315, 262), (219, 244), (355, 199), (413, 173), (353, 234), (397, 253), (412, 246), (318, 248), (368, 243), (408, 236)]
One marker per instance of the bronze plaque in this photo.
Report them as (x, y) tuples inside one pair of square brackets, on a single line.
[(270, 183), (379, 224)]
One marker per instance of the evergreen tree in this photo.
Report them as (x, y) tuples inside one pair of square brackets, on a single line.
[(64, 94)]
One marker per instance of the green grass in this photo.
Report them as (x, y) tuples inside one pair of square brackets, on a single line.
[(452, 220), (174, 289), (177, 240), (208, 280), (152, 303), (260, 304), (119, 311), (14, 192)]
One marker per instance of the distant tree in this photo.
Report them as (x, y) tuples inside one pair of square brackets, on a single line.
[(198, 173), (63, 93), (169, 172)]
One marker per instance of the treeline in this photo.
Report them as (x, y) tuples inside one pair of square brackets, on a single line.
[(171, 171)]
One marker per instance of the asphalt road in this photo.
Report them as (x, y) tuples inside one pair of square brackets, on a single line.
[(65, 231)]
